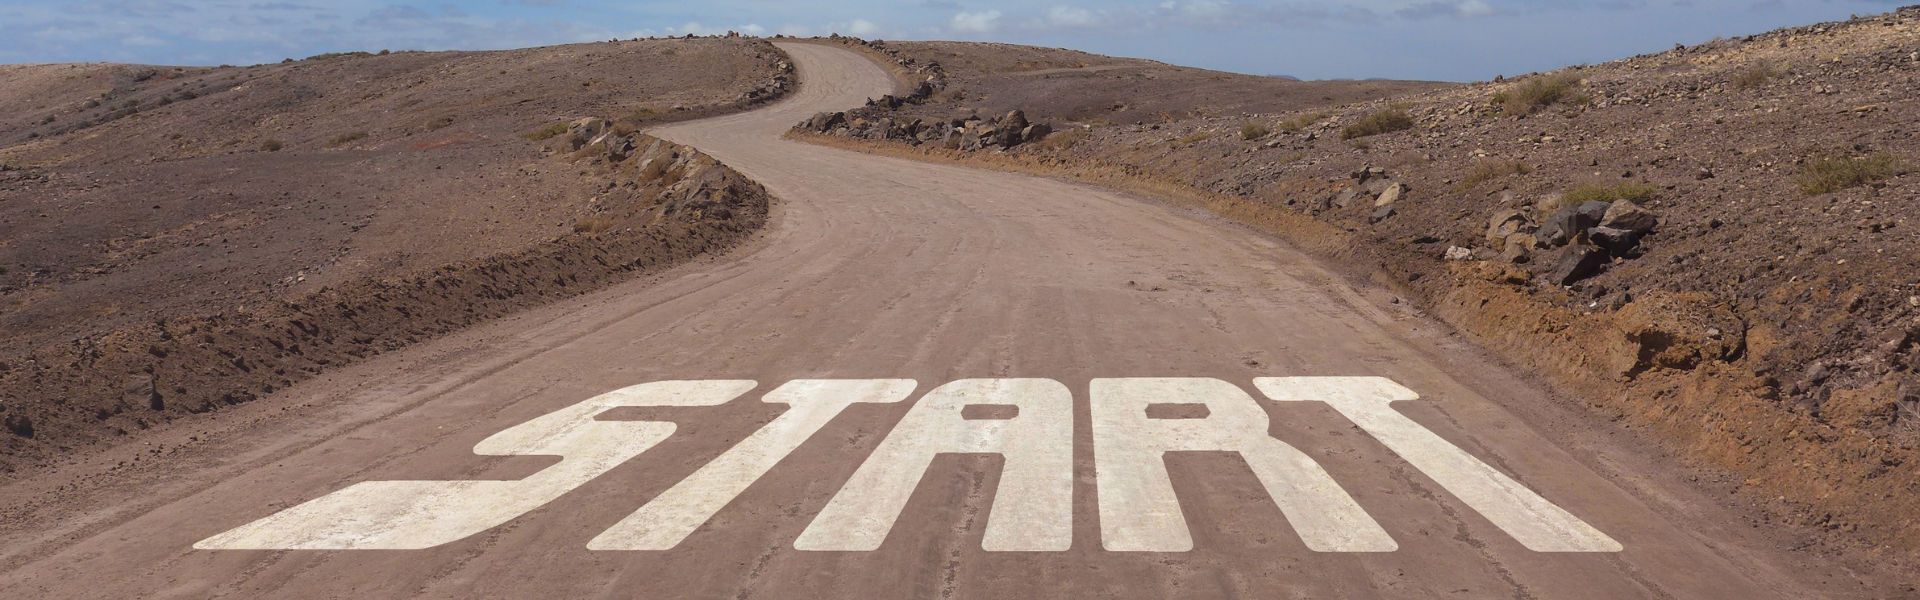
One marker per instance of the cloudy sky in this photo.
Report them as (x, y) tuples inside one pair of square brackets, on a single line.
[(1459, 40)]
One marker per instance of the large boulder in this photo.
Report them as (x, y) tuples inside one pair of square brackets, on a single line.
[(1629, 216), (1390, 194), (584, 131), (1576, 262), (1505, 223), (1617, 242), (1035, 132), (1566, 225)]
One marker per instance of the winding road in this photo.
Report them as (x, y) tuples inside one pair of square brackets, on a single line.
[(920, 381)]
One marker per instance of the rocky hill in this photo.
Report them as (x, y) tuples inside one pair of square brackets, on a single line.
[(176, 239), (1716, 243)]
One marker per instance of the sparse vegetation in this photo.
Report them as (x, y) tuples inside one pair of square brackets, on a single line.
[(642, 113), (1253, 131), (545, 132), (1489, 171), (330, 55), (1192, 138), (1539, 92), (271, 145), (345, 138), (1597, 191), (1834, 173), (1062, 140), (1302, 121), (439, 123), (1385, 121), (1755, 75)]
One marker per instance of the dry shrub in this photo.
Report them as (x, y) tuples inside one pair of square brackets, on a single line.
[(346, 138), (439, 123), (1302, 121), (1539, 92), (1192, 138), (1062, 140), (1756, 75), (545, 132), (1389, 120), (1833, 173), (1489, 171), (1253, 131), (271, 145)]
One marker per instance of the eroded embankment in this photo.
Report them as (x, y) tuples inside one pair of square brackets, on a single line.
[(1682, 364), (662, 204)]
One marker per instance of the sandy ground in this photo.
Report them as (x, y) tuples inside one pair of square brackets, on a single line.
[(883, 268)]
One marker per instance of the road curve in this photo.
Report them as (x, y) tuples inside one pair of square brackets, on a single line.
[(885, 269)]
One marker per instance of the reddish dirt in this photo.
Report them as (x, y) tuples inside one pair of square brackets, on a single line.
[(166, 261), (1763, 331)]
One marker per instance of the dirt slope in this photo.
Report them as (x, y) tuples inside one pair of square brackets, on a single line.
[(1767, 325), (144, 208)]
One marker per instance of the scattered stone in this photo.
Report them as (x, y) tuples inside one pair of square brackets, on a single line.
[(1575, 263), (1617, 242), (1518, 248), (1629, 216), (1381, 215), (1459, 253), (1345, 197), (1390, 195), (20, 425), (1503, 224)]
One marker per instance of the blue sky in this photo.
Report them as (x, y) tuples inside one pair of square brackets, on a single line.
[(1459, 40)]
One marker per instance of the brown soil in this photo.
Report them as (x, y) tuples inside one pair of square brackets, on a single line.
[(1762, 330), (166, 261)]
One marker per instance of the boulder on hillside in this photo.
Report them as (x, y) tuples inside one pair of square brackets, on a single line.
[(1576, 262), (1626, 215)]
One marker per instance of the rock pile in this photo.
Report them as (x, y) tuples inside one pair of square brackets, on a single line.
[(969, 134), (1584, 236)]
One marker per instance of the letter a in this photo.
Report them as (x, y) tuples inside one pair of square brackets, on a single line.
[(1033, 507)]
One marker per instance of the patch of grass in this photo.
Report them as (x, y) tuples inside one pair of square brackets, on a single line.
[(1489, 171), (545, 132), (642, 113), (1192, 138), (345, 138), (1253, 131), (1756, 75), (1540, 92), (1062, 140), (1599, 191), (439, 123), (1833, 173), (1302, 121), (1385, 121), (271, 145)]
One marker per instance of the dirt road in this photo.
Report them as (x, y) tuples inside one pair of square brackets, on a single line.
[(994, 386)]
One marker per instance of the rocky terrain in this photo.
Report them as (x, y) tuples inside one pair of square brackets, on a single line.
[(177, 239), (1715, 243)]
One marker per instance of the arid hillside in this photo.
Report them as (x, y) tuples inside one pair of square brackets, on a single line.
[(171, 237), (1716, 243)]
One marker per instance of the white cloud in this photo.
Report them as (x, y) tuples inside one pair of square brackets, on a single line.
[(141, 40), (1072, 17), (980, 22), (862, 28)]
